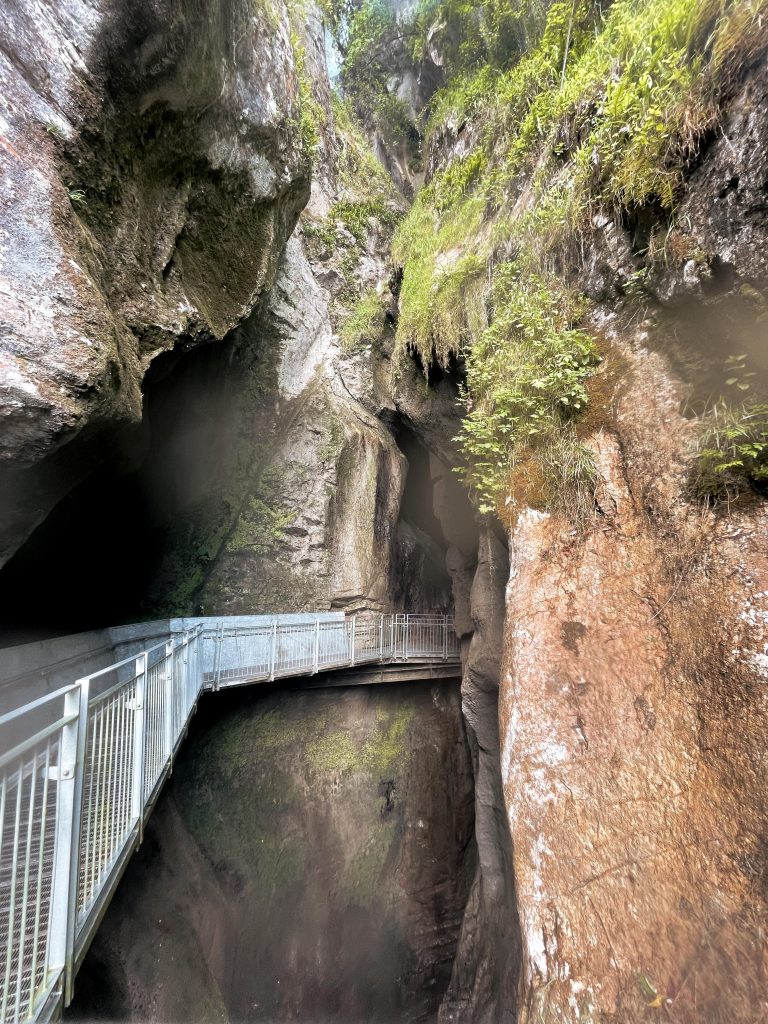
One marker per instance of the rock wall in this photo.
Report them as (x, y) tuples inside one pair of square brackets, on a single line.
[(486, 968), (151, 173), (310, 860), (633, 669), (182, 398)]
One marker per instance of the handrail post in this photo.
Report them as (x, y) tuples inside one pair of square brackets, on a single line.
[(353, 638), (137, 795), (381, 638), (316, 652), (273, 652), (170, 698), (392, 637), (217, 659), (406, 631), (66, 859), (445, 638)]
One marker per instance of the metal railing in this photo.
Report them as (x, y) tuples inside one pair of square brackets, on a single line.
[(81, 769)]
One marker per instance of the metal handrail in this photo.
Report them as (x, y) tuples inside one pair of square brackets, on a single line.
[(81, 772)]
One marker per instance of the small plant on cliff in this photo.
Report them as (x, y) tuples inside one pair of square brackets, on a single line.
[(312, 116), (526, 383), (732, 454), (364, 323), (76, 196)]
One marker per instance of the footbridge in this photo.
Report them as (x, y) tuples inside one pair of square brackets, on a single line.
[(81, 766)]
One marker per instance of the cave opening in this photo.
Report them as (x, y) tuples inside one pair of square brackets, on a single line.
[(131, 542), (94, 560)]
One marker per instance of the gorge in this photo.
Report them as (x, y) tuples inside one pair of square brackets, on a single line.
[(431, 306)]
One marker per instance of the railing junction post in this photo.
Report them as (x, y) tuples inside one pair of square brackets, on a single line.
[(273, 652), (217, 663), (68, 775), (169, 699), (139, 721), (316, 652)]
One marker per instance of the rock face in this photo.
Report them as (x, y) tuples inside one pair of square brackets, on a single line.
[(310, 860), (633, 673), (631, 724), (150, 177), (485, 972), (183, 387)]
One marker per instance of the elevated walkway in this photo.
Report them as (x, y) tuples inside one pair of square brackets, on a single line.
[(81, 766)]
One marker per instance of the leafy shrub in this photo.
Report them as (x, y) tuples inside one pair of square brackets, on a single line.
[(526, 378), (732, 453)]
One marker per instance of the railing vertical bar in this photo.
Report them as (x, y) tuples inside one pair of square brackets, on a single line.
[(99, 809), (40, 863), (79, 699), (3, 791), (89, 818), (25, 888), (125, 805), (12, 895), (353, 632), (273, 652), (113, 776)]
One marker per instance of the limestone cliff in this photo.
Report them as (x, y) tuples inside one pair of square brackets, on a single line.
[(152, 170)]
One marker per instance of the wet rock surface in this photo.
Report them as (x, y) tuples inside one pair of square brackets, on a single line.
[(310, 860)]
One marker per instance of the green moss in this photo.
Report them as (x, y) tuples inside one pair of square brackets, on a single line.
[(332, 752), (364, 871), (385, 749), (262, 522), (331, 450)]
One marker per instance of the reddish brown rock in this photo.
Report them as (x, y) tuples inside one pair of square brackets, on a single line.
[(634, 713)]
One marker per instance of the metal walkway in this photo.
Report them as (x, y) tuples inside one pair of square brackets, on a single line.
[(81, 769)]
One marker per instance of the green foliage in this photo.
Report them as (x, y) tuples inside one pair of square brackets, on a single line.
[(364, 323), (604, 111), (526, 377), (312, 117), (76, 196), (442, 304), (732, 453), (375, 42)]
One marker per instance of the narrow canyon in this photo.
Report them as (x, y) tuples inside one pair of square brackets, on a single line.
[(432, 307)]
